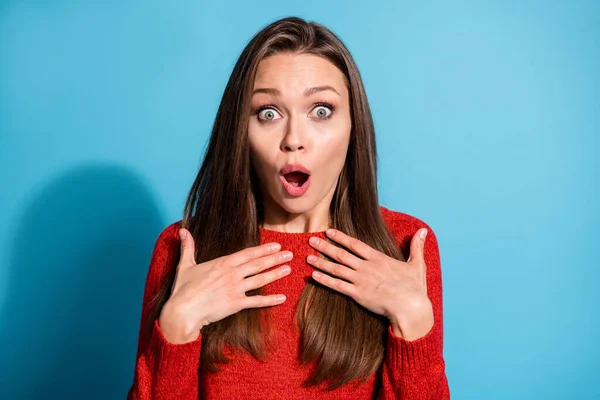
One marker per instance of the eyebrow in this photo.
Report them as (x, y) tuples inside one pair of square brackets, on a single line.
[(307, 92)]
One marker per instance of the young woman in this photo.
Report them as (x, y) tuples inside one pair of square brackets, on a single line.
[(236, 305)]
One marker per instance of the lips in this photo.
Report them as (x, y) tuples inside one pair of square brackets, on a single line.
[(294, 168), (295, 179), (294, 189), (295, 174)]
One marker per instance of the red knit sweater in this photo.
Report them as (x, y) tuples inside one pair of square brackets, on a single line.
[(411, 369)]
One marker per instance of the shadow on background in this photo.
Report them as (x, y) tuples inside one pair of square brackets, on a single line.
[(77, 270)]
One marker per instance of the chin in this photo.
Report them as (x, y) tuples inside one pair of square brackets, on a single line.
[(295, 206)]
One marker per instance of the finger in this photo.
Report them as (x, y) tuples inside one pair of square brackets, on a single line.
[(188, 247), (416, 246), (335, 269), (336, 284), (359, 248), (262, 301), (253, 267), (260, 280), (251, 253), (336, 253)]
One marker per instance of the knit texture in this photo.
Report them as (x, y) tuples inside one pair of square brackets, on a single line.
[(411, 369)]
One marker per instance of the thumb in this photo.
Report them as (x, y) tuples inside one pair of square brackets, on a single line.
[(417, 244), (188, 248)]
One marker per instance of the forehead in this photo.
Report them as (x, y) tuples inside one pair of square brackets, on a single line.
[(295, 72)]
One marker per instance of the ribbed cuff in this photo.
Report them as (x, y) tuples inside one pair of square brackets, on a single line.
[(407, 356), (173, 360)]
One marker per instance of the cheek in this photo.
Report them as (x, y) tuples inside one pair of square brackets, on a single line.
[(335, 159), (259, 157), (335, 147), (257, 146), (257, 160)]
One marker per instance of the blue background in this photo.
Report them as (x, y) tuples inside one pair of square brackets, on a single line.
[(488, 124)]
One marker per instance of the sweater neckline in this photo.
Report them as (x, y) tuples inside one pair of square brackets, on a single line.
[(296, 235)]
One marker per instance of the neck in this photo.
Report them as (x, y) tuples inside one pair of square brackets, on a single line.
[(312, 221), (316, 219)]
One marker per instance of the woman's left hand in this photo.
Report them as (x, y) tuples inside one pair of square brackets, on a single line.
[(382, 284)]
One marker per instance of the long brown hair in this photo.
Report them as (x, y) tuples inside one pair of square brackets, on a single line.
[(224, 211)]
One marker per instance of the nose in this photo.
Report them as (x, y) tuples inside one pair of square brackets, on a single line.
[(293, 139)]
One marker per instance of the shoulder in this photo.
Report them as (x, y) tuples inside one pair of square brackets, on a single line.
[(401, 222), (170, 232), (167, 240), (164, 255), (404, 226)]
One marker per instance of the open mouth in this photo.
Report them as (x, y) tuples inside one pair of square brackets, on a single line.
[(296, 178)]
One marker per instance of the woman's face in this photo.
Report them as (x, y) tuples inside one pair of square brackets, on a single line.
[(292, 124)]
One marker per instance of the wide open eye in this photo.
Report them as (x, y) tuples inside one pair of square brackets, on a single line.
[(267, 114), (323, 111)]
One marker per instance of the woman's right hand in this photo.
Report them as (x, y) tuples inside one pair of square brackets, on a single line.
[(210, 291)]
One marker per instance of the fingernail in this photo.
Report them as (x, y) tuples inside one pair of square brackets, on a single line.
[(423, 234), (330, 232), (312, 258), (182, 234)]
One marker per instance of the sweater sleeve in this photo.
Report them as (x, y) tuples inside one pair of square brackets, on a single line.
[(415, 370), (163, 370)]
